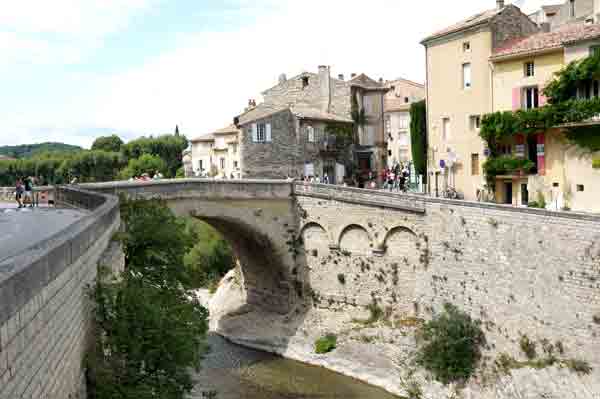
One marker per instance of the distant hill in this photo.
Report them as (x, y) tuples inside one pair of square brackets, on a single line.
[(30, 150)]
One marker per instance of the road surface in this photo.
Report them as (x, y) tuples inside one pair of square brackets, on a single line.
[(22, 228)]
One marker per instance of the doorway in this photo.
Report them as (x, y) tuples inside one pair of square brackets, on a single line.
[(524, 194), (508, 190)]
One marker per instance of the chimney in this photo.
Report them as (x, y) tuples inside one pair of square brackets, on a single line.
[(282, 78), (353, 75), (499, 4), (381, 80), (341, 76), (325, 88)]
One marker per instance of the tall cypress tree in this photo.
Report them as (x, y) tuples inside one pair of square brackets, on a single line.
[(418, 136)]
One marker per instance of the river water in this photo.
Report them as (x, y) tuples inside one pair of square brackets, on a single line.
[(232, 372)]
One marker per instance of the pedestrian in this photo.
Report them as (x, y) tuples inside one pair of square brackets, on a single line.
[(19, 192), (325, 179), (29, 191)]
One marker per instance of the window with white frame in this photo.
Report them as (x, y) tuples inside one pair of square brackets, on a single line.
[(445, 129), (200, 165), (403, 138), (475, 122), (368, 104), (531, 97), (403, 122), (222, 162), (466, 69), (235, 164), (467, 47), (310, 132), (529, 69), (261, 132)]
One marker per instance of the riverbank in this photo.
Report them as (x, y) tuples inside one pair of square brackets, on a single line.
[(377, 353)]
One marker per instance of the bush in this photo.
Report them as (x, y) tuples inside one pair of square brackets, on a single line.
[(325, 344), (528, 347), (578, 366), (452, 345), (596, 163), (146, 163)]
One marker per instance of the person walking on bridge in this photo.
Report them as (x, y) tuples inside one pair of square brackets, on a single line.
[(29, 191), (19, 192)]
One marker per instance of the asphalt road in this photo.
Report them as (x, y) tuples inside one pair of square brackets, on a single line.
[(22, 228)]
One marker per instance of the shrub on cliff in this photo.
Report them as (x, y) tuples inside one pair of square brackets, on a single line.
[(325, 344), (451, 345)]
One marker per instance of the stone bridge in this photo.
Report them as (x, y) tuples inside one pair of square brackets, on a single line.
[(314, 259)]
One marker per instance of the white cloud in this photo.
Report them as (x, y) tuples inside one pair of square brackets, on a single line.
[(207, 80), (208, 77), (60, 31)]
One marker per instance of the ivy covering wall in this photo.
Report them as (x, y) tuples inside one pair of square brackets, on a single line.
[(563, 110), (418, 137)]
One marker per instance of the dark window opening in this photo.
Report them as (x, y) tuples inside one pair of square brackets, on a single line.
[(555, 185), (304, 82), (406, 100), (531, 97), (508, 187), (580, 188), (390, 153), (532, 152), (524, 194)]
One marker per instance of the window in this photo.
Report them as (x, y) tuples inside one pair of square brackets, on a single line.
[(403, 139), (466, 68), (261, 132), (235, 164), (572, 8), (406, 100), (529, 69), (304, 82), (368, 104), (475, 122), (403, 154), (222, 161), (467, 47), (310, 132), (580, 188), (445, 129), (234, 148), (474, 164), (389, 153), (403, 122), (531, 95), (200, 165)]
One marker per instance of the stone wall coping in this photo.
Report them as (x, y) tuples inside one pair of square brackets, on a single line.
[(168, 182), (24, 275), (376, 195)]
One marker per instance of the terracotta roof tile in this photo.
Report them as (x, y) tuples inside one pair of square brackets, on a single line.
[(548, 40), (204, 137)]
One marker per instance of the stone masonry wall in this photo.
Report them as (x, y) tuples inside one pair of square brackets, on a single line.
[(511, 24), (45, 313), (520, 271)]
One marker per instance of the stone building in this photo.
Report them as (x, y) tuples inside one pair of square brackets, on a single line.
[(216, 154), (315, 125), (563, 174), (553, 16), (459, 82), (397, 101)]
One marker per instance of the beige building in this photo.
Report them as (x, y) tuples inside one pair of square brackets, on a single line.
[(216, 154), (563, 174), (397, 101), (459, 85)]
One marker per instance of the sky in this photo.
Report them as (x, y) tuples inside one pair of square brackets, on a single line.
[(73, 70)]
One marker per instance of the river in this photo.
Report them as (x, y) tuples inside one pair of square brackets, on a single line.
[(234, 372)]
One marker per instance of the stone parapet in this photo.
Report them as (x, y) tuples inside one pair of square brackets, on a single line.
[(44, 311)]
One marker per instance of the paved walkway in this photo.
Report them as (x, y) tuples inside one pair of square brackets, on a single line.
[(22, 228)]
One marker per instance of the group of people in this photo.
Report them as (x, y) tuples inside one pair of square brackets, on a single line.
[(396, 178), (146, 177), (24, 192), (316, 179)]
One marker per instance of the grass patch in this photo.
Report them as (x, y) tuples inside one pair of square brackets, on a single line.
[(325, 344), (506, 363)]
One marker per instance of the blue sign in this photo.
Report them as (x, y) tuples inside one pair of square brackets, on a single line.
[(442, 164)]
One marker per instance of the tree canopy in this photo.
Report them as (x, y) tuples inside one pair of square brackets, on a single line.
[(168, 147), (418, 136), (108, 143)]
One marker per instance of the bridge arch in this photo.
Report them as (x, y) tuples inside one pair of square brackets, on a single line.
[(402, 242), (315, 238), (355, 239)]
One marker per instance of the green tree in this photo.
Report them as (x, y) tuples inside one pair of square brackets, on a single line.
[(210, 258), (108, 143), (150, 331), (146, 163), (418, 136), (168, 147), (92, 166)]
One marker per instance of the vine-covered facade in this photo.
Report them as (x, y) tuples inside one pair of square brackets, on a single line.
[(545, 134)]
